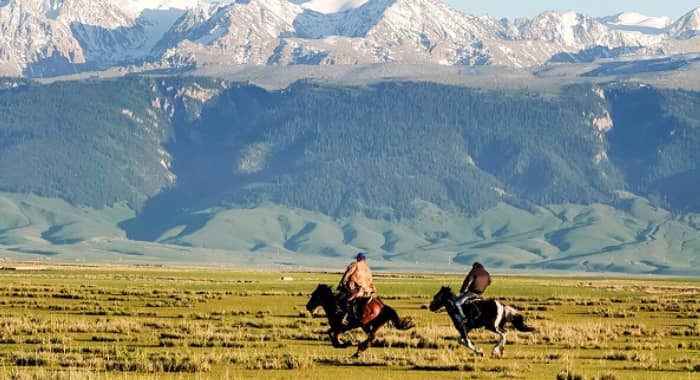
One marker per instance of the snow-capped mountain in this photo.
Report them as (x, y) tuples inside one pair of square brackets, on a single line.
[(240, 33), (577, 30), (432, 31), (107, 32), (376, 31), (50, 37), (687, 26), (632, 21), (27, 36)]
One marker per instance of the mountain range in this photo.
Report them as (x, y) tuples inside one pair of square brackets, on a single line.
[(294, 133), (423, 176), (40, 38)]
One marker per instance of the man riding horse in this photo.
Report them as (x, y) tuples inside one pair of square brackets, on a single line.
[(356, 284), (473, 288)]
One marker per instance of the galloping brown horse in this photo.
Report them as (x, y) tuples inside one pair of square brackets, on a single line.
[(374, 315)]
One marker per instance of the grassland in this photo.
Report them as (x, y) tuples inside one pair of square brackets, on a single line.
[(176, 323), (570, 237)]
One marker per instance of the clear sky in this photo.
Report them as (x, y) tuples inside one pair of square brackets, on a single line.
[(596, 8)]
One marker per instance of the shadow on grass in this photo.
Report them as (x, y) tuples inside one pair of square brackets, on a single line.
[(437, 368), (351, 363)]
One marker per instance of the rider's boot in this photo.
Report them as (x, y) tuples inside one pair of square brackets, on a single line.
[(349, 312), (461, 318)]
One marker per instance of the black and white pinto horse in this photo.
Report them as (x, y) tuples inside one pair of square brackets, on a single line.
[(493, 317)]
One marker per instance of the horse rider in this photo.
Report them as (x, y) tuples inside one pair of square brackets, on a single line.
[(356, 283), (473, 287)]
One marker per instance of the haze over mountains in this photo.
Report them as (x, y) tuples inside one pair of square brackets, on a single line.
[(276, 133), (54, 37)]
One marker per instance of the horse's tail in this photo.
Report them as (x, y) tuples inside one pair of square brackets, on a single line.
[(400, 323), (518, 321)]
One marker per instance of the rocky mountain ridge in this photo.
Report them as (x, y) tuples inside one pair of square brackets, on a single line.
[(40, 38)]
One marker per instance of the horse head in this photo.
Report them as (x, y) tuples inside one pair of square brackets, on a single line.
[(441, 298), (319, 296)]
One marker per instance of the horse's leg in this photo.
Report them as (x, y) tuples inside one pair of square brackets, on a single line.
[(337, 339), (371, 338), (499, 347), (470, 345), (496, 328), (343, 344), (372, 321)]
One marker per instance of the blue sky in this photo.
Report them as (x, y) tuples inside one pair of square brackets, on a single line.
[(529, 8)]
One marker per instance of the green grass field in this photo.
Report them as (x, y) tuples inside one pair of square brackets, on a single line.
[(163, 323)]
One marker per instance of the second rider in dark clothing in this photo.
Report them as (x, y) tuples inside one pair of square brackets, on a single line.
[(473, 287)]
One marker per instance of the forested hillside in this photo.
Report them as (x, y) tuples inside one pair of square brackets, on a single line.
[(656, 142), (91, 143), (178, 151)]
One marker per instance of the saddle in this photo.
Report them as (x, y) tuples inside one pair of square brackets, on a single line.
[(354, 311)]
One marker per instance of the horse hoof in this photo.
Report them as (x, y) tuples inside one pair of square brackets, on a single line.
[(497, 353), (480, 353)]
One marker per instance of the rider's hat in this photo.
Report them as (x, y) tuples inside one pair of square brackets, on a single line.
[(360, 256)]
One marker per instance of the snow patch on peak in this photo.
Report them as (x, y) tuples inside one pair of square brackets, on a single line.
[(575, 30), (138, 6), (568, 28), (636, 22), (569, 21), (637, 19), (331, 6)]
